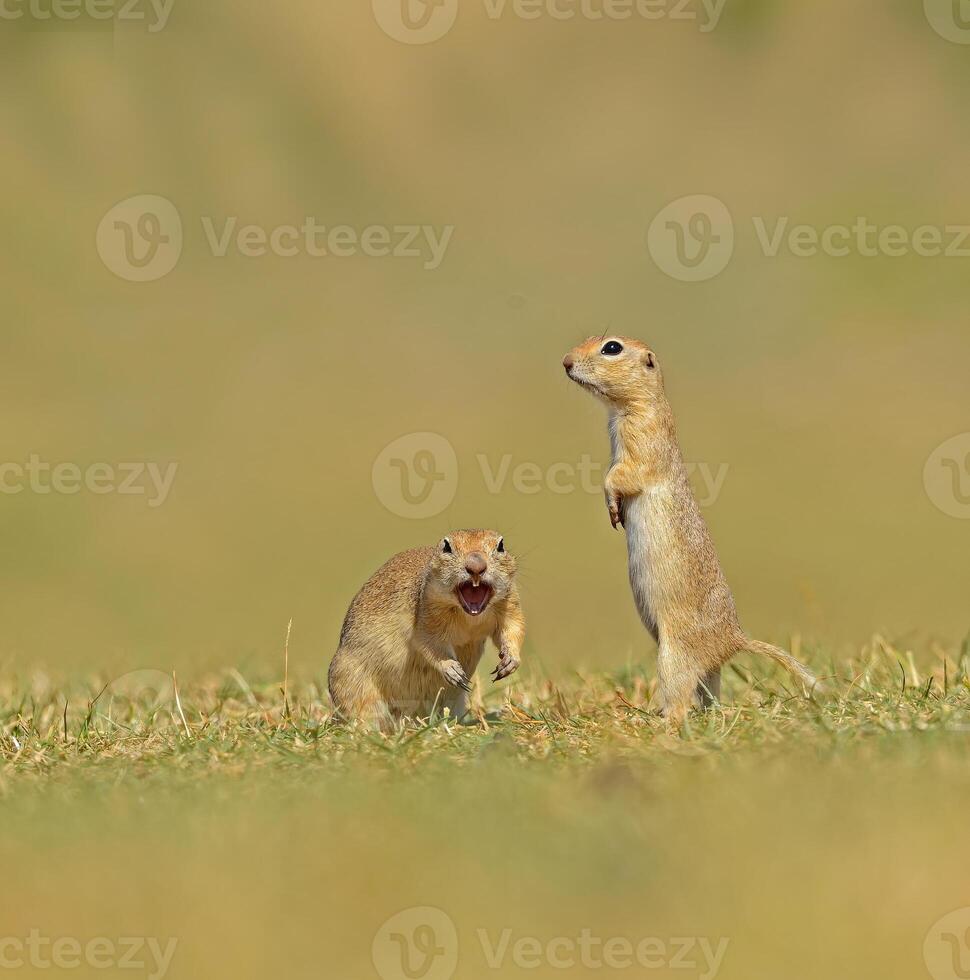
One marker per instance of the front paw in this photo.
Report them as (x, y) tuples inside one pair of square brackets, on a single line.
[(455, 675), (613, 504), (507, 665)]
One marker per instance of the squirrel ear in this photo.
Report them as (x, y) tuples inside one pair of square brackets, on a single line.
[(650, 360)]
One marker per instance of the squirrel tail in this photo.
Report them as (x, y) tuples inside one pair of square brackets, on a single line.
[(795, 667)]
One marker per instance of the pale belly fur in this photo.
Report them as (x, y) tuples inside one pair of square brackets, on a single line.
[(655, 553), (637, 523)]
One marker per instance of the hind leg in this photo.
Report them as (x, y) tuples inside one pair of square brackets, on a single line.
[(709, 689), (455, 701), (368, 707), (356, 697), (683, 684)]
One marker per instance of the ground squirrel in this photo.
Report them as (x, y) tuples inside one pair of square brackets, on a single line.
[(415, 632), (677, 581)]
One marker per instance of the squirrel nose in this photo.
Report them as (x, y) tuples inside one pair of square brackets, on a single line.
[(475, 564), (567, 362)]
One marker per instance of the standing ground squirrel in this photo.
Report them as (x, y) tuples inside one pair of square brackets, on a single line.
[(416, 631), (677, 581)]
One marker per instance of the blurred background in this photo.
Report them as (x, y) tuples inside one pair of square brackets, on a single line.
[(215, 421), (537, 151)]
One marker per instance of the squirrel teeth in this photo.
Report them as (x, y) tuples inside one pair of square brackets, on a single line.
[(474, 597)]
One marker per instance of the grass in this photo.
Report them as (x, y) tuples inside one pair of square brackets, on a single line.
[(819, 837), (142, 720)]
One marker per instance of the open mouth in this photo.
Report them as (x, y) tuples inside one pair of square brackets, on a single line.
[(474, 598)]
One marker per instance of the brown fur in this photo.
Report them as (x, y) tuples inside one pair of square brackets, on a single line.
[(676, 577), (408, 647)]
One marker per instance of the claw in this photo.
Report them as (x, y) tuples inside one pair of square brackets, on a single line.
[(455, 675), (504, 669), (615, 517)]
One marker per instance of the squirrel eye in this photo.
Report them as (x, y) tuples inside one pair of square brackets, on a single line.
[(446, 547), (612, 348), (501, 546)]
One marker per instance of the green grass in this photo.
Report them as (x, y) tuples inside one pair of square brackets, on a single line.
[(821, 837), (142, 722)]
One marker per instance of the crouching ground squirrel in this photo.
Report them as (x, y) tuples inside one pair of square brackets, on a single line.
[(677, 581), (415, 632)]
